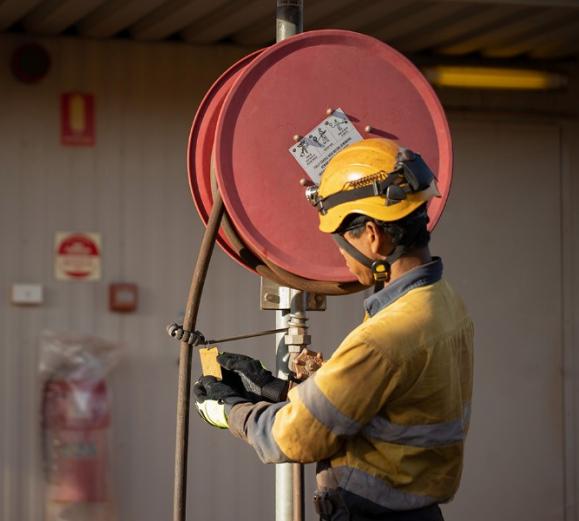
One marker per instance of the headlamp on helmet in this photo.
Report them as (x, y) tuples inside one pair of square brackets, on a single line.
[(312, 194)]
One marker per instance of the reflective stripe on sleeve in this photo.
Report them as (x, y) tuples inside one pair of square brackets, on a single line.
[(260, 437), (427, 435), (379, 491), (323, 410)]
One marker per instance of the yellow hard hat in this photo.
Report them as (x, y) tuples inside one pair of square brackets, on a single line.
[(373, 177)]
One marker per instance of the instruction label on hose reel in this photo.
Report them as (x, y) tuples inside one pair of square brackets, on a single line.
[(319, 145)]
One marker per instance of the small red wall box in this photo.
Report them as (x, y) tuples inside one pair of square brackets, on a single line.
[(123, 297)]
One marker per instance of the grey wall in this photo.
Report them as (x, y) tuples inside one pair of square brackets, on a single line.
[(502, 236), (511, 255)]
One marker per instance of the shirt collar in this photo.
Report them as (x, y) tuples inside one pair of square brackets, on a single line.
[(422, 275)]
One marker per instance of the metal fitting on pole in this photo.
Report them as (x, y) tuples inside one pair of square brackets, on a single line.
[(297, 335)]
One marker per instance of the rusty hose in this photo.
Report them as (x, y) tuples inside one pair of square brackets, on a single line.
[(185, 352)]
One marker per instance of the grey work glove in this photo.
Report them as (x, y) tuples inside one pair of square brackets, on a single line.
[(257, 381), (214, 400)]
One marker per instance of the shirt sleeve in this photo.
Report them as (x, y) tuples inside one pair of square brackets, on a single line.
[(321, 413)]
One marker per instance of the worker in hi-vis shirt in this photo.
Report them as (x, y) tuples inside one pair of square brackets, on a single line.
[(386, 416)]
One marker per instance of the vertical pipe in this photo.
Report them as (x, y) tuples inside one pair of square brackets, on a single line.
[(289, 504), (289, 21), (299, 319), (185, 352), (283, 471), (298, 492), (289, 18)]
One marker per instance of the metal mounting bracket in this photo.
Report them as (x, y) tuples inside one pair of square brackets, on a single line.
[(275, 297)]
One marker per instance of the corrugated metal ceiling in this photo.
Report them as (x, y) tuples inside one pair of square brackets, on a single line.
[(536, 29)]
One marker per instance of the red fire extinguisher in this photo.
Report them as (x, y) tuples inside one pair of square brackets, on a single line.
[(76, 421)]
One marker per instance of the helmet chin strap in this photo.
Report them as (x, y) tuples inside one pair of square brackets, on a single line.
[(381, 267)]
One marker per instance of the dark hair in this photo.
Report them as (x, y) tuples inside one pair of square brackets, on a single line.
[(354, 223), (410, 231)]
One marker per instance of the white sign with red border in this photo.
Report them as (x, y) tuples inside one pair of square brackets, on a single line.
[(77, 256)]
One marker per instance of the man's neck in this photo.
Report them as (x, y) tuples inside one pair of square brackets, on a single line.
[(407, 262)]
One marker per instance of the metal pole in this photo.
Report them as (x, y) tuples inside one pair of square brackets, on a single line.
[(289, 18), (283, 471), (298, 492), (288, 476), (296, 339), (289, 503), (184, 389)]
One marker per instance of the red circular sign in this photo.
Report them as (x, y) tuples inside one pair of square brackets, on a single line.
[(286, 91), (78, 256)]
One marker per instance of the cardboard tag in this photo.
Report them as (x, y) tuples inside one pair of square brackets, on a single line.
[(319, 145), (209, 364)]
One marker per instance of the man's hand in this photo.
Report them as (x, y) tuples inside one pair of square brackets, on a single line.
[(214, 400), (257, 381)]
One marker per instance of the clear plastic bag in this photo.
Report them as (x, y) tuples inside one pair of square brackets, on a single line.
[(76, 426)]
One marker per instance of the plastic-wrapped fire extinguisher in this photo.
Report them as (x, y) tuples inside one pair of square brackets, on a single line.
[(76, 425)]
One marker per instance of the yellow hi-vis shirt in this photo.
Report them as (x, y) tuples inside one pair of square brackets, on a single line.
[(388, 413)]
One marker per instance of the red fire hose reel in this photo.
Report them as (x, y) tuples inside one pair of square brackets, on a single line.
[(243, 130)]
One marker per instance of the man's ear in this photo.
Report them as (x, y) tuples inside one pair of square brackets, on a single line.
[(379, 240), (375, 236)]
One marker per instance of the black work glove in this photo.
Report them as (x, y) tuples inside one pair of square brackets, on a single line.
[(257, 381), (214, 400)]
